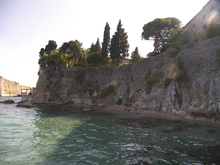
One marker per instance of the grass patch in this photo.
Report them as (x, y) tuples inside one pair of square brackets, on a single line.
[(197, 105), (108, 90), (80, 78), (24, 87)]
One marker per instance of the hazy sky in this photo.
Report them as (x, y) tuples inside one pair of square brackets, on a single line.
[(26, 26)]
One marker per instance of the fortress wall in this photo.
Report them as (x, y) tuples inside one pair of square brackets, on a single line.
[(8, 87)]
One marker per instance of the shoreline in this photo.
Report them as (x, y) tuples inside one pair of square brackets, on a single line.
[(137, 112)]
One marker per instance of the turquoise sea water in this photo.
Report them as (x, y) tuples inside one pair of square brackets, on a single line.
[(75, 135)]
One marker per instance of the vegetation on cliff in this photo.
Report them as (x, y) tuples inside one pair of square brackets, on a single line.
[(166, 33), (72, 53), (211, 32)]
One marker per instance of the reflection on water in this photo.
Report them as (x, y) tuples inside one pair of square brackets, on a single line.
[(70, 135)]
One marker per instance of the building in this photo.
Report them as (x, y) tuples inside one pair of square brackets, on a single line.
[(210, 14)]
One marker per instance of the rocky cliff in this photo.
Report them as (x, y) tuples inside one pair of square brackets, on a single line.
[(187, 84)]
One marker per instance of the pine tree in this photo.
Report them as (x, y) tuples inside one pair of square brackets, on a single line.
[(106, 42), (135, 52), (119, 44)]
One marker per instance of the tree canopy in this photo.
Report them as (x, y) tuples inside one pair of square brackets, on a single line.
[(73, 48), (119, 43), (161, 30), (50, 47)]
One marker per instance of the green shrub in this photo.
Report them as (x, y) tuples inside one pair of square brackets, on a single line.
[(182, 76), (90, 92), (148, 74), (147, 90), (178, 45), (108, 90), (95, 59), (179, 101), (128, 90), (131, 78), (161, 64), (119, 102), (150, 81), (80, 78), (167, 81), (50, 99)]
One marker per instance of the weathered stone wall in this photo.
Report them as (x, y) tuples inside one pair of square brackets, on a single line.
[(207, 16), (142, 85), (8, 87)]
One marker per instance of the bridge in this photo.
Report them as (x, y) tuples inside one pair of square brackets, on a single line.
[(25, 91)]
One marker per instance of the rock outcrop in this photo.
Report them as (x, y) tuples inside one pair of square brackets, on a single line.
[(188, 84), (9, 101), (24, 104)]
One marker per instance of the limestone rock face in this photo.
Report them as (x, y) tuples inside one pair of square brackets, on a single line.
[(187, 84)]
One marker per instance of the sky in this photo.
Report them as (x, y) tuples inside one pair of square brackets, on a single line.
[(26, 26)]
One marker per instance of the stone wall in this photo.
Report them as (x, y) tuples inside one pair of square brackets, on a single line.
[(142, 85), (207, 16), (8, 87)]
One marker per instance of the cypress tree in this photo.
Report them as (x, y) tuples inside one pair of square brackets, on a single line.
[(106, 42), (135, 52), (97, 46), (92, 49), (119, 44)]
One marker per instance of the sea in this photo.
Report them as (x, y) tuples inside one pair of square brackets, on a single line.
[(70, 135)]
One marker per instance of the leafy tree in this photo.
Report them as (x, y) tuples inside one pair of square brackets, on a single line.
[(95, 59), (106, 42), (161, 30), (73, 48), (135, 52), (50, 47), (42, 51), (119, 44)]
